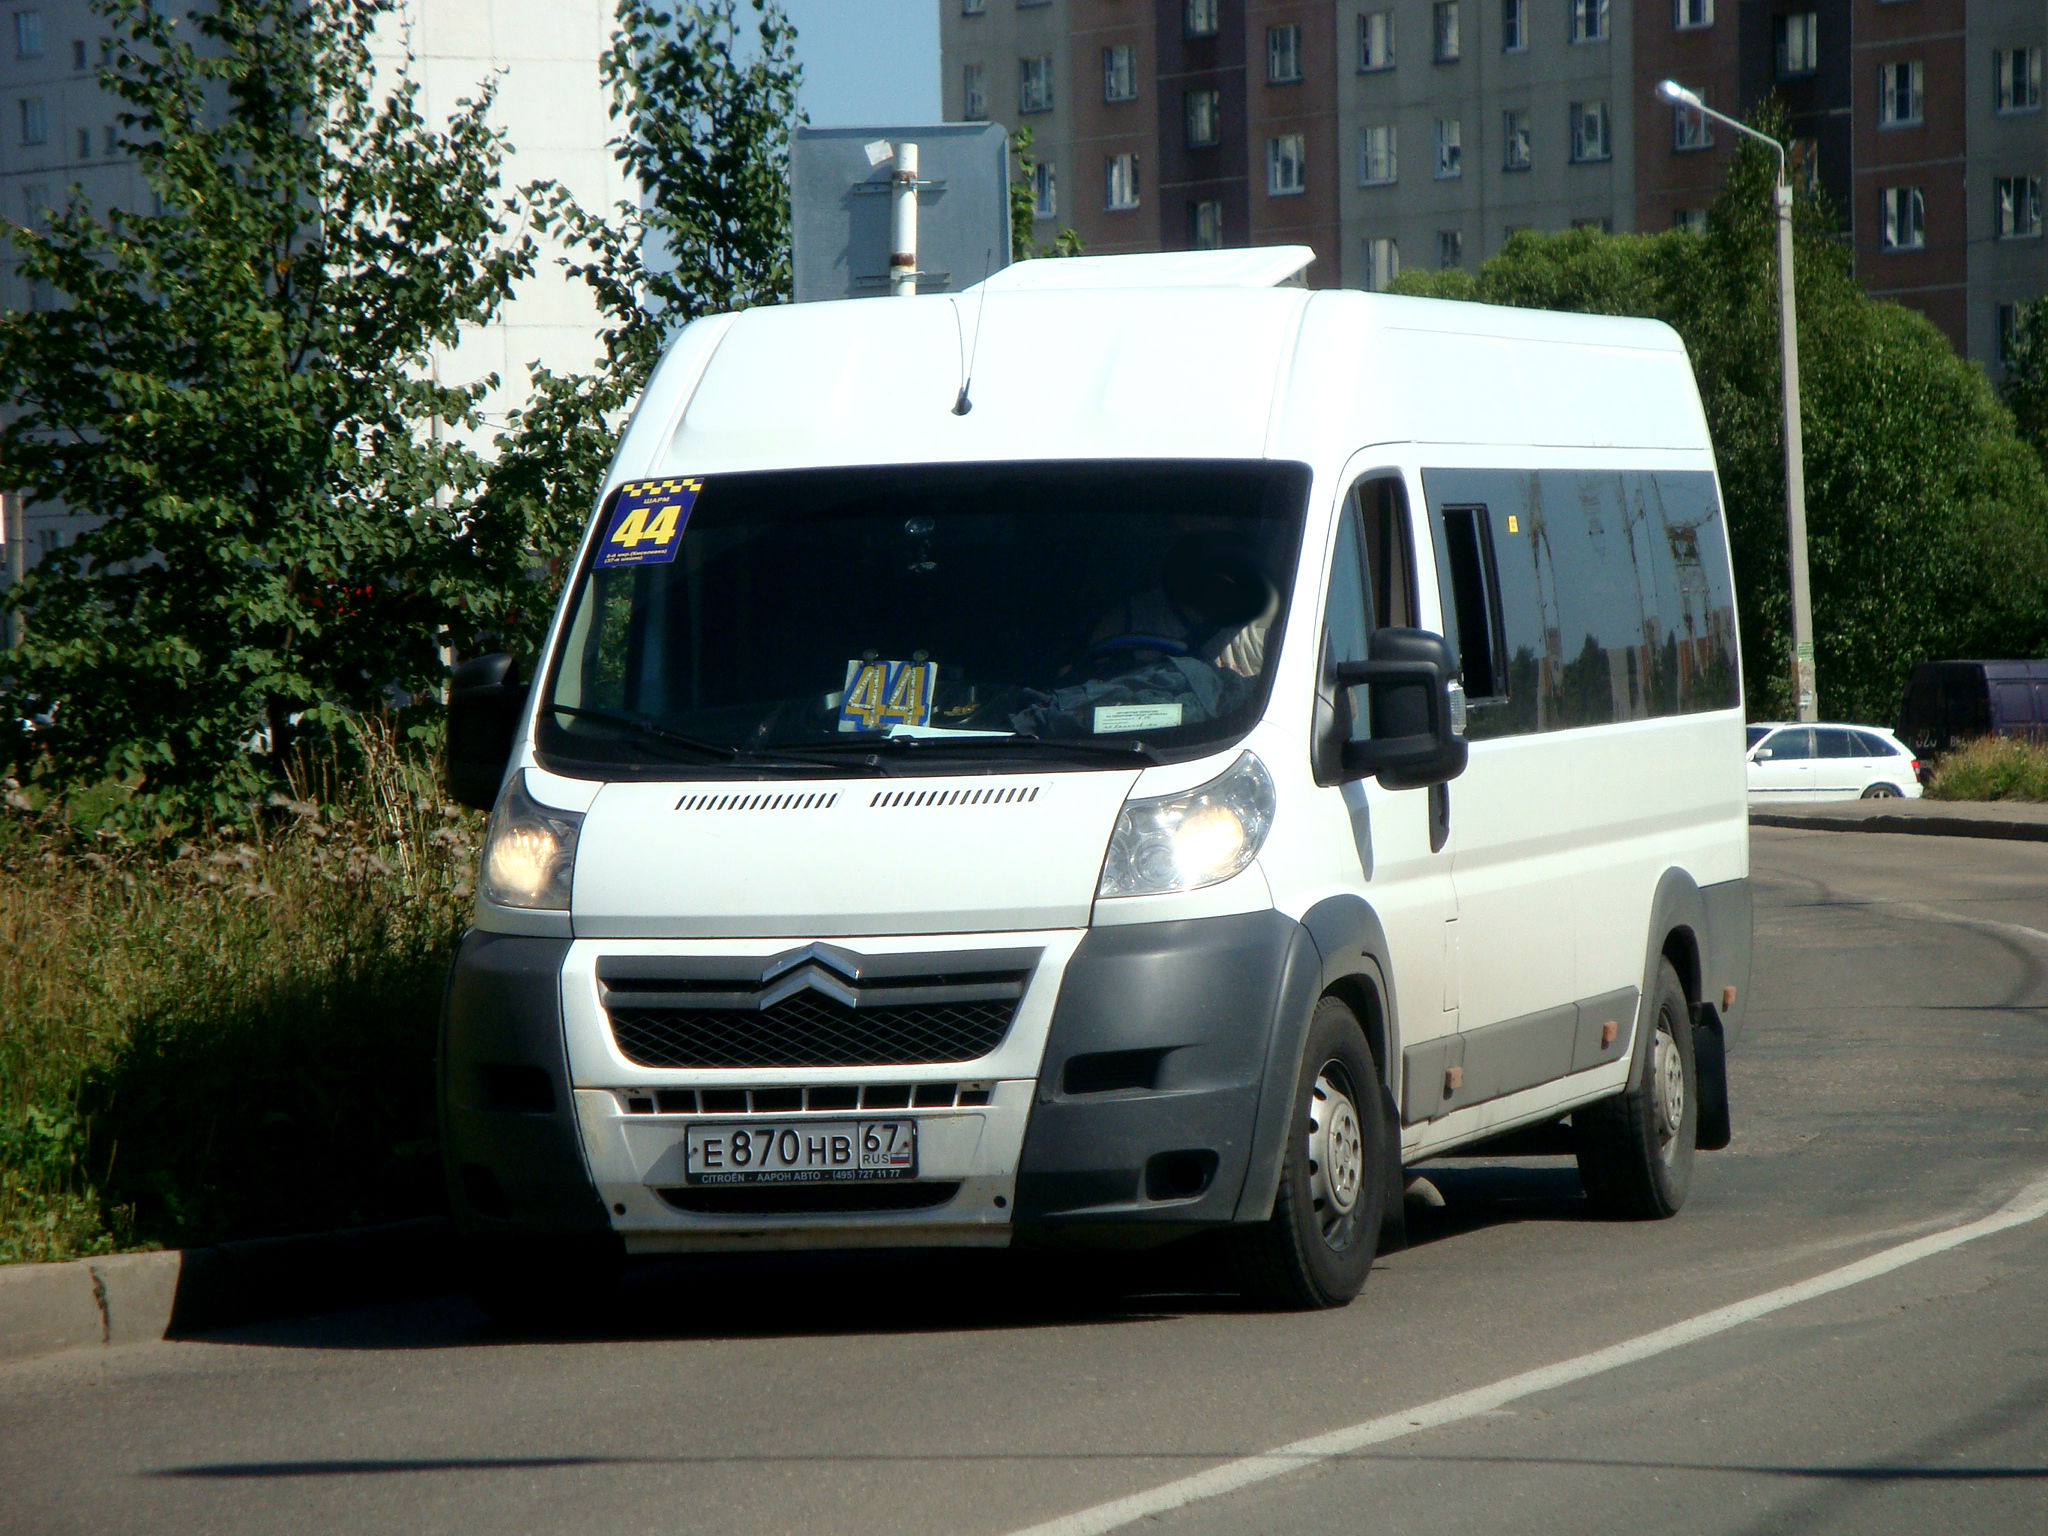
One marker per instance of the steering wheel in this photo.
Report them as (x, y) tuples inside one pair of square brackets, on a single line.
[(1127, 644)]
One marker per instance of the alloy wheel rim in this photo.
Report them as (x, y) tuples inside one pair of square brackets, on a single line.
[(1336, 1154)]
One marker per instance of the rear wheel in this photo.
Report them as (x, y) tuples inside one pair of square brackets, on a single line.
[(1881, 792), (1635, 1150), (1316, 1247)]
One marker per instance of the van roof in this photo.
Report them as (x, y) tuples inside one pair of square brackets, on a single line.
[(1238, 369)]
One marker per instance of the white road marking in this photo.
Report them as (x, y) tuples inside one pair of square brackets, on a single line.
[(2030, 1204)]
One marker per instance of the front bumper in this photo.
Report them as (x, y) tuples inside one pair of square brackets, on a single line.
[(1131, 1099)]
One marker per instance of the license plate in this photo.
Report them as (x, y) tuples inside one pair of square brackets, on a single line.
[(804, 1152)]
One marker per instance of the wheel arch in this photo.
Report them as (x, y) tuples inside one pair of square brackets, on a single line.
[(1679, 930)]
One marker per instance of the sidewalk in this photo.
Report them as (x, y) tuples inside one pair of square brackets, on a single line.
[(2018, 820)]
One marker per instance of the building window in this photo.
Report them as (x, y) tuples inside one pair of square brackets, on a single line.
[(1599, 226), (1449, 151), (84, 141), (1690, 129), (1034, 84), (1283, 55), (1198, 18), (1589, 21), (1205, 225), (1805, 166), (1798, 43), (974, 92), (1120, 73), (28, 34), (1026, 4), (1375, 41), (1589, 131), (1514, 25), (1514, 137), (1898, 94), (35, 123), (1120, 182), (1692, 220), (1903, 221), (1378, 155), (1382, 262), (1450, 249), (1444, 30), (78, 55), (1286, 165), (2007, 321), (1690, 14), (1204, 111), (2017, 73), (107, 141), (973, 7), (2018, 202), (1045, 191)]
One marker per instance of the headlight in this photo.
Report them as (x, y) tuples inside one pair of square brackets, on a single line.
[(529, 851), (1186, 841)]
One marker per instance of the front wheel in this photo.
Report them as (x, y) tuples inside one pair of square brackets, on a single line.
[(1635, 1150), (1316, 1247)]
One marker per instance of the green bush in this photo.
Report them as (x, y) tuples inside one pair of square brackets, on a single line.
[(233, 1037), (1993, 768)]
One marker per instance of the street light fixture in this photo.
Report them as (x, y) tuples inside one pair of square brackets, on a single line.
[(1804, 699)]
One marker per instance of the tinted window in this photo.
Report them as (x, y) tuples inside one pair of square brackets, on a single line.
[(1614, 594), (1789, 745), (1876, 746), (1835, 743), (1757, 733)]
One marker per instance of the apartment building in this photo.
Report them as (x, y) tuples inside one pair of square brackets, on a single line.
[(1387, 133), (58, 130)]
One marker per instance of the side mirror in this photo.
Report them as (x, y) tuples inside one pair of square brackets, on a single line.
[(1759, 754), (1408, 675), (485, 701)]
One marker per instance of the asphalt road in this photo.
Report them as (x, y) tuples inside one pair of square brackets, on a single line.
[(1892, 1089)]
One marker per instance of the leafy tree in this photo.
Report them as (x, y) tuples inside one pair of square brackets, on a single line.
[(703, 136), (1927, 519), (237, 382), (2026, 379), (1024, 244)]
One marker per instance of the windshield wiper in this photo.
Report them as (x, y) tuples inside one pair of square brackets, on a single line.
[(647, 729), (973, 741)]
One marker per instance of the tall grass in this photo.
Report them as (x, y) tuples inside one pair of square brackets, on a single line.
[(234, 1036), (1993, 768)]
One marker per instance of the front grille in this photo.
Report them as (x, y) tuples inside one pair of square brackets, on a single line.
[(811, 1031), (817, 1007)]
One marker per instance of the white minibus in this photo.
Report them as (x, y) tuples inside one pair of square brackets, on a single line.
[(1140, 750)]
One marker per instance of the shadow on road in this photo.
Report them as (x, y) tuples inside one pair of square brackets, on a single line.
[(799, 1295)]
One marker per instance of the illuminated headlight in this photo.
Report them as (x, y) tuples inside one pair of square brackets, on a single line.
[(1186, 841), (529, 851)]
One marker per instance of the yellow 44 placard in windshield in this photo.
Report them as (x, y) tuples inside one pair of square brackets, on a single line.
[(647, 522), (880, 694)]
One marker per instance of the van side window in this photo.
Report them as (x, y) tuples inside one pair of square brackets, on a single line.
[(1475, 596), (1384, 510)]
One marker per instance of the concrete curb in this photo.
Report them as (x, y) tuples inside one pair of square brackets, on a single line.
[(1925, 826), (132, 1298)]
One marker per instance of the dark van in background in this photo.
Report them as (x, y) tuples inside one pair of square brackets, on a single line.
[(1948, 702)]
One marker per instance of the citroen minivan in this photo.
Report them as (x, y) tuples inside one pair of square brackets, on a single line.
[(1141, 750)]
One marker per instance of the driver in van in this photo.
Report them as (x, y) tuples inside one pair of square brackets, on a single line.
[(1213, 603)]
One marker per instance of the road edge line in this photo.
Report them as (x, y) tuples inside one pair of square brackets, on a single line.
[(2028, 1205)]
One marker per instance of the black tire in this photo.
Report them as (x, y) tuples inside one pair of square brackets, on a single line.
[(1635, 1150), (1315, 1249), (1881, 791), (560, 1285)]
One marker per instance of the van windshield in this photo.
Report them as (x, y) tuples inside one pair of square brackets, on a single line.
[(958, 618)]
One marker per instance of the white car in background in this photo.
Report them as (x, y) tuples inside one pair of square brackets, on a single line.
[(1829, 762)]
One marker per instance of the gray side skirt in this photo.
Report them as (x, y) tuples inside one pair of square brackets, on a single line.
[(1461, 1070)]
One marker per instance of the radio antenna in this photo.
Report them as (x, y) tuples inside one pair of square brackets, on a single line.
[(963, 405)]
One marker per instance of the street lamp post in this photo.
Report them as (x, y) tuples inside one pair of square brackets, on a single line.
[(1804, 695)]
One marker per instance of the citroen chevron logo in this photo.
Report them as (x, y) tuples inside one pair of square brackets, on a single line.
[(822, 968)]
